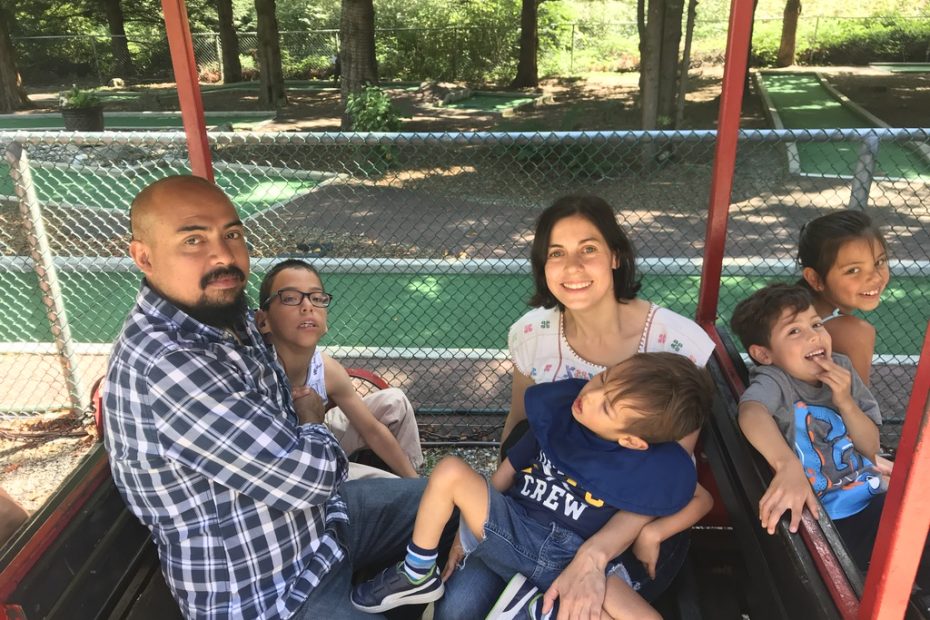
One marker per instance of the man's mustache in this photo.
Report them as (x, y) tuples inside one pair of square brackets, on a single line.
[(221, 272)]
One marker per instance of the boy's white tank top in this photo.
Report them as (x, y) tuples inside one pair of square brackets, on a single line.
[(315, 378)]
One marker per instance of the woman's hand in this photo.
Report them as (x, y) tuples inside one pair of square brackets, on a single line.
[(580, 589), (456, 553)]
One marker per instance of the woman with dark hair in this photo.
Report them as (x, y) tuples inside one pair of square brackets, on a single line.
[(586, 315), (585, 318)]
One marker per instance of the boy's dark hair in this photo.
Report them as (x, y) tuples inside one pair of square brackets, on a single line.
[(755, 317), (597, 211), (674, 394), (264, 290), (822, 238)]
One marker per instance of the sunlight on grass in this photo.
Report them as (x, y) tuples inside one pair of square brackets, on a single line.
[(428, 287)]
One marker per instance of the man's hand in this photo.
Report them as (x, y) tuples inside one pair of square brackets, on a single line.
[(456, 553), (581, 589), (789, 490), (838, 379), (308, 404), (646, 549)]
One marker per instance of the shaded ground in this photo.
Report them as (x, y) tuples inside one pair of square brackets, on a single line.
[(594, 101)]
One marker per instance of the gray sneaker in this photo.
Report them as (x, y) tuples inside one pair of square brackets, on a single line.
[(393, 588)]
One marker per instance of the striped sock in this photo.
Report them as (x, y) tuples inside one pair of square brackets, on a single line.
[(419, 562)]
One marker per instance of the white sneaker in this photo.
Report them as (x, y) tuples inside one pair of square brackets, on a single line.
[(520, 599)]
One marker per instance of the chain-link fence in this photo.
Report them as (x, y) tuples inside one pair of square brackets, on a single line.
[(424, 241)]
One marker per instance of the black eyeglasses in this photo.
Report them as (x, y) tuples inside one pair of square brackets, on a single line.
[(293, 297)]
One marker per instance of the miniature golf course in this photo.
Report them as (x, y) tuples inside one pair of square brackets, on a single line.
[(802, 102)]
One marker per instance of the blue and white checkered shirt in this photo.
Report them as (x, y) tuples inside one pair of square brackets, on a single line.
[(206, 450)]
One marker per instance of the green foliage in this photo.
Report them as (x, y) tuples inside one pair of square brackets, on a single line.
[(470, 40), (78, 98), (845, 41), (306, 67), (371, 110)]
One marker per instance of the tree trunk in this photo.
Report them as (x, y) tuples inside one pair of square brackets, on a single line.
[(789, 33), (12, 95), (271, 86), (122, 61), (358, 64), (649, 63), (527, 70), (668, 61), (229, 41), (641, 31), (685, 65), (747, 79)]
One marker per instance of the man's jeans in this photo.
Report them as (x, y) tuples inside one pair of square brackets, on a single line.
[(473, 588), (381, 516)]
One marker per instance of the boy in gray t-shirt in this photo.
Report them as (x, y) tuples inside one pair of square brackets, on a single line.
[(808, 413)]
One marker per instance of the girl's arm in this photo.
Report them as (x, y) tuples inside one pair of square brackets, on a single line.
[(340, 390), (854, 338), (517, 409)]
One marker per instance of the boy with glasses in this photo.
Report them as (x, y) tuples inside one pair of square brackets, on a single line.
[(293, 316)]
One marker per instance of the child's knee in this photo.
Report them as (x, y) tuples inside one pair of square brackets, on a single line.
[(450, 468)]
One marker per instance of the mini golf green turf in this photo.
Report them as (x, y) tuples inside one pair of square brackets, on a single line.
[(491, 102), (89, 188), (140, 121), (803, 103), (902, 67), (419, 311)]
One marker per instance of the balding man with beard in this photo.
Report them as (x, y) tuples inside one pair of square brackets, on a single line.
[(244, 493)]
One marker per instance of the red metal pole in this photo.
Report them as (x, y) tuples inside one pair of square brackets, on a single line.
[(721, 183), (185, 76), (902, 532)]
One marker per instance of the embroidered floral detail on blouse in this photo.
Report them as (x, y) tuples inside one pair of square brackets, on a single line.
[(677, 345), (544, 324), (546, 368), (663, 338), (527, 328)]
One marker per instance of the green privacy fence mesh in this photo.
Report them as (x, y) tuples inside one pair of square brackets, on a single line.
[(424, 240)]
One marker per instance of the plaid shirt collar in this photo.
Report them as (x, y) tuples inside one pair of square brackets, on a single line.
[(152, 303)]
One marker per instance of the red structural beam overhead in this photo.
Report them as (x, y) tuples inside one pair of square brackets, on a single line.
[(184, 64)]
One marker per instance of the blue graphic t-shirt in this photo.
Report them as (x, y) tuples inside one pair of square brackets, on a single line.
[(843, 479), (568, 475)]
